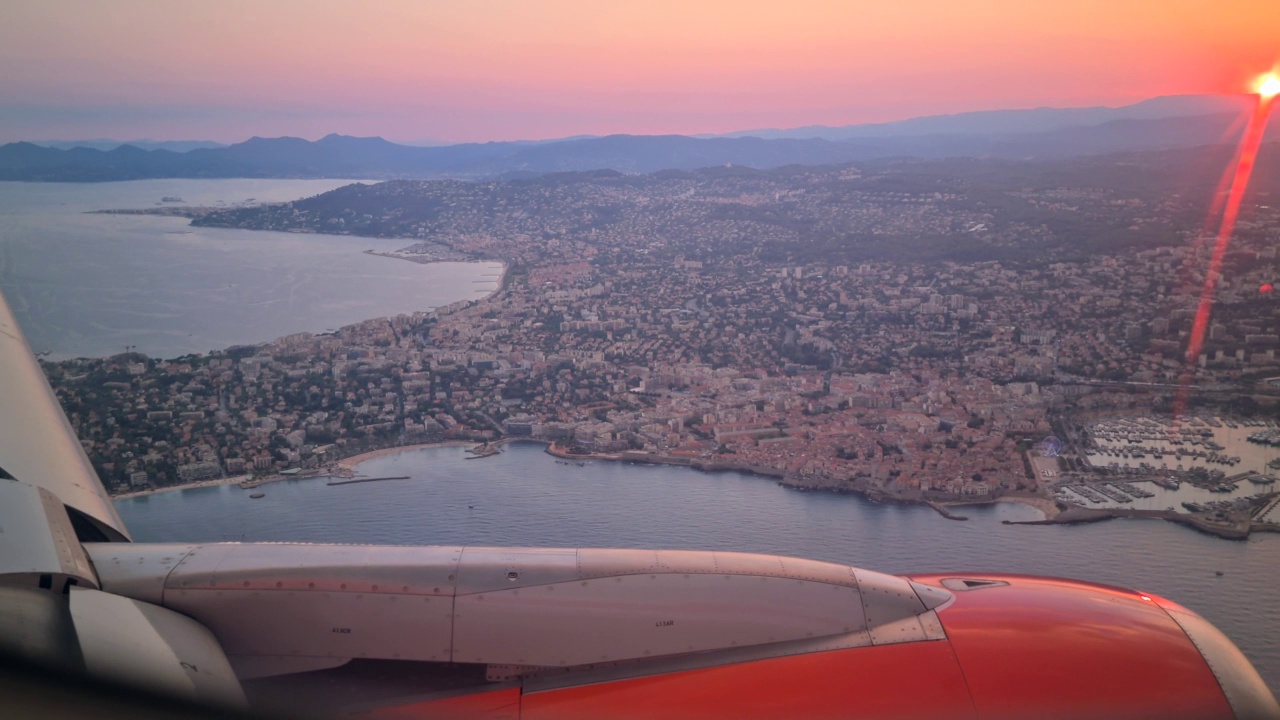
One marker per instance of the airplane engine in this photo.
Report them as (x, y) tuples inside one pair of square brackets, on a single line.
[(594, 633)]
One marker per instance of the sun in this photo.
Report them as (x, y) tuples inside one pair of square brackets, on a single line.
[(1268, 85)]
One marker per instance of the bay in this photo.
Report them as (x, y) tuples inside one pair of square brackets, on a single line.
[(91, 285), (523, 497)]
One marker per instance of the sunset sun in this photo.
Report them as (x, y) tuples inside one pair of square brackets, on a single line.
[(1268, 85)]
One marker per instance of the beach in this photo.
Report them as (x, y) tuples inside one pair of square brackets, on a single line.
[(1044, 505), (345, 465), (349, 463), (184, 486)]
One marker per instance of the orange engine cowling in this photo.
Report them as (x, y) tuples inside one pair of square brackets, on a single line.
[(1015, 647)]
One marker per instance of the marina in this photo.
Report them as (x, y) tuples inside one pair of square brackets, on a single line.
[(1213, 444), (1148, 495), (1214, 473)]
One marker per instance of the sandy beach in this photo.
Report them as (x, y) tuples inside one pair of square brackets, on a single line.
[(185, 486), (350, 463), (1046, 506)]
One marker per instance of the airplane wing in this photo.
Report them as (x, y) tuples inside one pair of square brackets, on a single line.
[(37, 445), (527, 633)]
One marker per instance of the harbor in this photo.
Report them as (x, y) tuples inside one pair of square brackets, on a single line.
[(1211, 473), (1230, 496), (1213, 444)]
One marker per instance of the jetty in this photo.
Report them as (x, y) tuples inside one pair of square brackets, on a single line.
[(353, 481), (483, 450)]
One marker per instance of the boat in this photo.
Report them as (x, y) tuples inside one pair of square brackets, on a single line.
[(257, 495)]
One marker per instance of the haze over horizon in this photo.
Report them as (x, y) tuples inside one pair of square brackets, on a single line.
[(499, 70), (179, 142)]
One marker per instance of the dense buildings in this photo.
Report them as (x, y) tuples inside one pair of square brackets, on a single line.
[(898, 330)]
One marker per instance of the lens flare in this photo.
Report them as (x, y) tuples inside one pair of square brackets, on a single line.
[(1268, 85)]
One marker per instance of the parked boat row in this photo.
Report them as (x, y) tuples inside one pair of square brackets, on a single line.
[(1133, 490), (1212, 456), (1083, 491), (1266, 437), (1114, 493), (1102, 492), (1235, 504)]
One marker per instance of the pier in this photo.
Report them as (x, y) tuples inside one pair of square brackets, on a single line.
[(353, 481)]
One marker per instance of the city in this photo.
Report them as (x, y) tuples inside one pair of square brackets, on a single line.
[(684, 318)]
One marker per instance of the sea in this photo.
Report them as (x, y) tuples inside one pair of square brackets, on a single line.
[(92, 285), (523, 496)]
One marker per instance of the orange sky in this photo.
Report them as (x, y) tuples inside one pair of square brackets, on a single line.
[(507, 69)]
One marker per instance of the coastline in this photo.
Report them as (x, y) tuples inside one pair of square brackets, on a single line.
[(184, 486), (1046, 506), (345, 465), (349, 463), (1052, 513), (1082, 516), (503, 272)]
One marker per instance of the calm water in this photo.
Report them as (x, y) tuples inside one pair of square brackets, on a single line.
[(90, 285), (523, 497)]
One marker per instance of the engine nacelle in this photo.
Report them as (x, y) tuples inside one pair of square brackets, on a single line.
[(282, 608)]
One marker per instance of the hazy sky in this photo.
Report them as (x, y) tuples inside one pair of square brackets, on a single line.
[(507, 69)]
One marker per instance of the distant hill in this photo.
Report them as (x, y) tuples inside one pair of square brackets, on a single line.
[(998, 122), (1064, 133), (996, 209), (107, 144)]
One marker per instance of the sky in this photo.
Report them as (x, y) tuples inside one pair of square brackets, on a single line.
[(479, 70)]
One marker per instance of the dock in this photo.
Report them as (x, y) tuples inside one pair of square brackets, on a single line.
[(353, 481)]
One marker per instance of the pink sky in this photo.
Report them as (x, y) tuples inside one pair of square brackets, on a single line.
[(465, 70)]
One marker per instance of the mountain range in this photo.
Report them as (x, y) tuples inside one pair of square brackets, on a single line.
[(1167, 122), (109, 144)]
